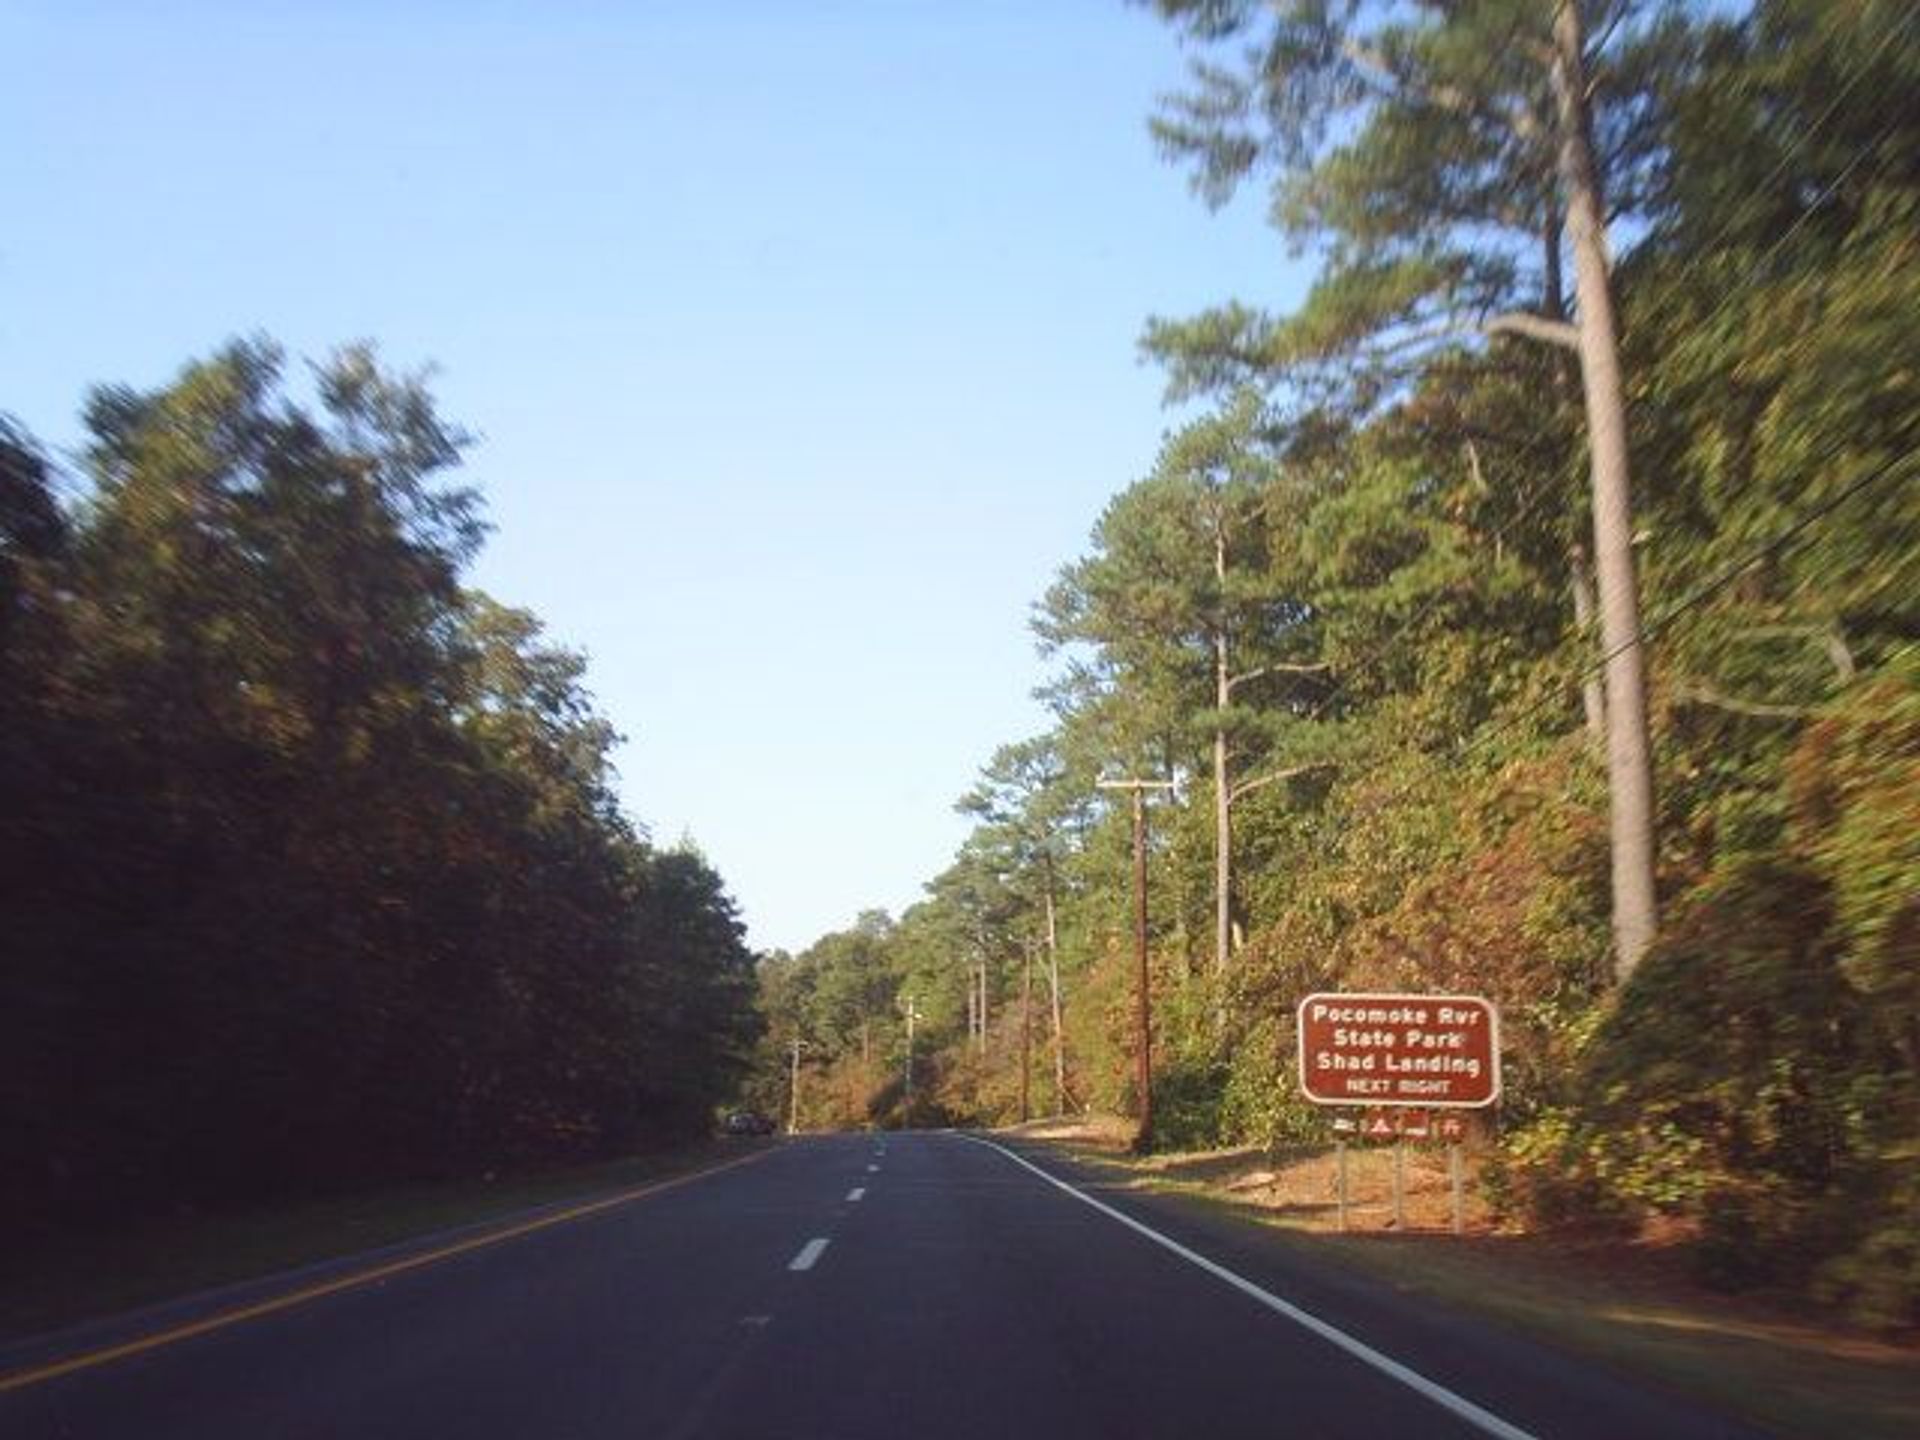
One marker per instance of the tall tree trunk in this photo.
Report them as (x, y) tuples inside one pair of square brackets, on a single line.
[(1053, 980), (1222, 797), (1629, 753), (1592, 697), (1579, 572), (1143, 982)]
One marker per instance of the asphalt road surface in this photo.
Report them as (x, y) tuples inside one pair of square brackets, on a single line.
[(905, 1286)]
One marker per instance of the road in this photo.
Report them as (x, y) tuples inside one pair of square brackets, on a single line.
[(919, 1286)]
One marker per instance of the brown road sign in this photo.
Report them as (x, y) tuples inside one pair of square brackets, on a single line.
[(1437, 1051)]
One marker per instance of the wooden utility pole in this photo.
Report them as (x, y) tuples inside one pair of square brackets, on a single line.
[(983, 1005), (1143, 997), (793, 1090), (1053, 981), (1026, 1034), (907, 1106)]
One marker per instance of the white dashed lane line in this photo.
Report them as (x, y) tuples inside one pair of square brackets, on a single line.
[(809, 1253), (856, 1192)]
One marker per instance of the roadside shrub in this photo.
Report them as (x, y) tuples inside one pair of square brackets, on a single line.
[(1261, 1101), (1187, 1108), (1740, 1082), (1878, 1280)]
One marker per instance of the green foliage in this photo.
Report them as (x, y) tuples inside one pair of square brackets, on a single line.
[(1877, 1280), (1187, 1104), (1856, 783), (1382, 525), (1412, 146), (316, 875), (1742, 1083)]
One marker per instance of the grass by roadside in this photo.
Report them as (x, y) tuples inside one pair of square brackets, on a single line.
[(57, 1278), (1631, 1307)]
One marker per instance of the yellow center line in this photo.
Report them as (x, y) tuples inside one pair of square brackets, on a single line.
[(88, 1359)]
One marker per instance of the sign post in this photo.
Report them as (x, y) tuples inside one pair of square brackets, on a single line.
[(1456, 1183), (1340, 1159), (1418, 1053), (1399, 1183)]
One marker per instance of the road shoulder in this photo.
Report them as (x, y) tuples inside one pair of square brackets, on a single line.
[(1781, 1378), (264, 1261)]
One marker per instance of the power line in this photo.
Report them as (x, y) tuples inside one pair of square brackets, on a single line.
[(1704, 592), (1541, 492), (1778, 544), (1738, 289), (1731, 293), (1760, 192), (1407, 631)]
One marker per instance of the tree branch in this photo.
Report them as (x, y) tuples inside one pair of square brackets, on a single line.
[(1400, 344), (1521, 122), (1828, 637), (1517, 322), (1234, 792), (1705, 695), (1533, 327), (1276, 669)]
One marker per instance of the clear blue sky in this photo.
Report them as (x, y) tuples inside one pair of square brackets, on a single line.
[(800, 339)]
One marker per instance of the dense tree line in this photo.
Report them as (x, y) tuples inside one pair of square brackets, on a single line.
[(1354, 612), (314, 875)]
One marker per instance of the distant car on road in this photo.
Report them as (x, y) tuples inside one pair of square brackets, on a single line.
[(748, 1122)]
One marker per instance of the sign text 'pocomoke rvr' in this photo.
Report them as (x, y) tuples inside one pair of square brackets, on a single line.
[(1429, 1050)]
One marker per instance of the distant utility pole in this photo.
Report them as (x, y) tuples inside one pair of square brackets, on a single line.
[(1143, 1009), (911, 1017), (793, 1090), (977, 988), (983, 1003), (1026, 1033), (1053, 983)]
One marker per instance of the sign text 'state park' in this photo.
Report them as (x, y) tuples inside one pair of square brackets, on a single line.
[(1431, 1050)]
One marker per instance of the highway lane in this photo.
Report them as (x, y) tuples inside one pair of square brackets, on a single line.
[(848, 1286)]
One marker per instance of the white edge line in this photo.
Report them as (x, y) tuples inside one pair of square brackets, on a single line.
[(856, 1192), (809, 1253), (1446, 1399)]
